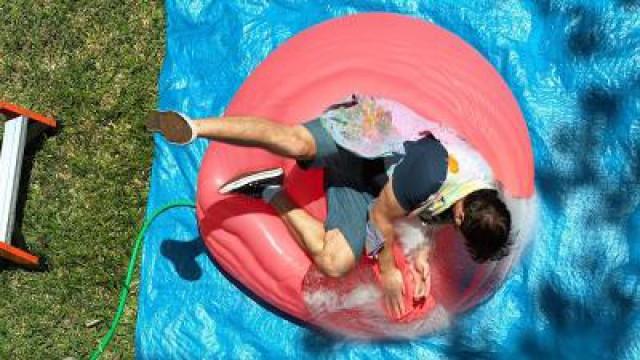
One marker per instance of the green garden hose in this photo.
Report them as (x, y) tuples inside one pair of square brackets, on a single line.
[(127, 281)]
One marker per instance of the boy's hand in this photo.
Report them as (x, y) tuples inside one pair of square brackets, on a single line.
[(422, 274), (393, 291)]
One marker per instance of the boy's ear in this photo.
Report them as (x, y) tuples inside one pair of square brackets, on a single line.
[(458, 212)]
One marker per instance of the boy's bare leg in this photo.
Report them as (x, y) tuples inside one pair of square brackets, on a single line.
[(328, 249), (308, 231), (289, 141)]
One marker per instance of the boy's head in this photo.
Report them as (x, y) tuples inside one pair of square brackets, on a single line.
[(485, 222)]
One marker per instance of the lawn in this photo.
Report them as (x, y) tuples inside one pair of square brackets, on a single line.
[(94, 66)]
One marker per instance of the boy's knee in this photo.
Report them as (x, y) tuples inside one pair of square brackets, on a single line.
[(302, 143), (329, 265), (336, 260)]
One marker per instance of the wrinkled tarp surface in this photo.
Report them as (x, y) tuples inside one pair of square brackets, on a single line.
[(574, 67)]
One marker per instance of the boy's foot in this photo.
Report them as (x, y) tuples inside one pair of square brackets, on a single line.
[(177, 128), (263, 184)]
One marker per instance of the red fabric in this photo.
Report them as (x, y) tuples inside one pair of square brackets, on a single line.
[(414, 309)]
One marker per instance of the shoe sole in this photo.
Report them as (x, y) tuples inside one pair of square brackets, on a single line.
[(244, 180), (173, 127)]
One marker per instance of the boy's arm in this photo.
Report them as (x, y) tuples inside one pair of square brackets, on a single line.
[(383, 213)]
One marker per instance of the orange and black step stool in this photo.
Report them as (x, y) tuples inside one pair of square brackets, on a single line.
[(14, 142)]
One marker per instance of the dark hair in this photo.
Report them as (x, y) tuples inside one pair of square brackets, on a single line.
[(486, 226)]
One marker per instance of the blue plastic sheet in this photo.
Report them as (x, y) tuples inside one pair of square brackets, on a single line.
[(574, 67)]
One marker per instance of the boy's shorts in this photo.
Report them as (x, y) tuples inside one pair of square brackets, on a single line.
[(347, 190)]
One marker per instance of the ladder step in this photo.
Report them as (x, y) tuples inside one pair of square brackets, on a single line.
[(13, 144), (18, 256), (11, 111)]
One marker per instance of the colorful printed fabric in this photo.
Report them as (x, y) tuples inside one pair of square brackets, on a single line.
[(364, 126)]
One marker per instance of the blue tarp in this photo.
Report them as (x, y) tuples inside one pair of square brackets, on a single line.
[(574, 67)]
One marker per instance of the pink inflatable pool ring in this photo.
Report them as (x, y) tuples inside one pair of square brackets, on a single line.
[(409, 60)]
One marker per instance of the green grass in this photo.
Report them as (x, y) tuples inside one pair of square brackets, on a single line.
[(94, 66)]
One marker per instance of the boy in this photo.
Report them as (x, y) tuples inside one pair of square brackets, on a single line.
[(372, 178)]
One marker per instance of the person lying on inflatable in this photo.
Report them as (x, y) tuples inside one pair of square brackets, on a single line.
[(372, 177)]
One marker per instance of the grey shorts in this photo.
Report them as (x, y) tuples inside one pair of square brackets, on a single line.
[(347, 190)]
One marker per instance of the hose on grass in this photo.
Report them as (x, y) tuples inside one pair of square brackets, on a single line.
[(124, 294)]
